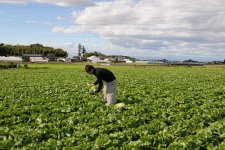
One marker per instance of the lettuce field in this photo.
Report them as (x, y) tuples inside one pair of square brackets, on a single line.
[(48, 106)]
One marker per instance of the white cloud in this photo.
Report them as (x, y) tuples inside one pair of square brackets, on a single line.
[(59, 18), (14, 1), (69, 30), (156, 26), (148, 27), (65, 3)]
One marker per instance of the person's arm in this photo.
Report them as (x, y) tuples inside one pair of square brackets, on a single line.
[(99, 82), (96, 82), (100, 85)]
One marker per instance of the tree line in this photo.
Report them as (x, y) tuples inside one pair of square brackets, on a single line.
[(19, 50)]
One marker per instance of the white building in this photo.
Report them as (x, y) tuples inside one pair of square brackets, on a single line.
[(156, 62), (95, 59), (38, 60), (61, 59), (11, 59), (127, 61), (68, 60), (142, 62)]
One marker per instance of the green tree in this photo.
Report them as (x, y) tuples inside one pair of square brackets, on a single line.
[(99, 54), (79, 49), (19, 50), (2, 50), (83, 52)]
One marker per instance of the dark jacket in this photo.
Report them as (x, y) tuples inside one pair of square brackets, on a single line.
[(103, 74)]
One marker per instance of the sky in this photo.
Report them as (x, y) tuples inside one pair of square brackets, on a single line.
[(144, 29)]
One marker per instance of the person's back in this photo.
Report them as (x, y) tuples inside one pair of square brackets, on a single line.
[(105, 74)]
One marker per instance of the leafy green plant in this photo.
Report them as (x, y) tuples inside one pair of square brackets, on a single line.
[(162, 108)]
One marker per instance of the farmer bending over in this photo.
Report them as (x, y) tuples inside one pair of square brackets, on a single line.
[(106, 75)]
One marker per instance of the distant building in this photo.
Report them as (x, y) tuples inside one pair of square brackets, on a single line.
[(38, 60), (51, 57), (142, 62), (26, 57), (217, 62), (71, 59), (95, 59), (156, 61), (116, 58), (127, 61), (11, 59), (190, 61), (61, 59), (34, 58), (76, 59), (119, 59)]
